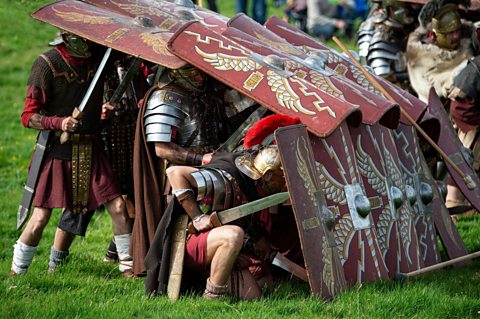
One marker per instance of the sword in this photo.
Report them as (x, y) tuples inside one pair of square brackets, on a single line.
[(77, 112), (132, 71), (229, 215), (283, 262)]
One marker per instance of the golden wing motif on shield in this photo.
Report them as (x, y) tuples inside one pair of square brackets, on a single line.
[(286, 96), (226, 62), (344, 232), (368, 169), (332, 189), (323, 82), (304, 171), (384, 228), (156, 42), (84, 18), (393, 170)]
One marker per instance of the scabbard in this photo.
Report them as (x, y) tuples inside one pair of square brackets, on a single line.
[(31, 184)]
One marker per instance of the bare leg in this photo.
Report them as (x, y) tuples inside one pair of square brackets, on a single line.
[(122, 224), (63, 240), (454, 197), (223, 246), (32, 233), (180, 178), (122, 230), (26, 245)]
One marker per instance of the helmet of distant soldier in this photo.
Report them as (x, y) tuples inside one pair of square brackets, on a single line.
[(445, 24)]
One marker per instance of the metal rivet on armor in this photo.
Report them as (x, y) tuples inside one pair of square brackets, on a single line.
[(426, 193), (396, 196), (411, 194), (363, 205)]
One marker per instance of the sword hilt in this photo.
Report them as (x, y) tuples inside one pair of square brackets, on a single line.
[(214, 220), (65, 137)]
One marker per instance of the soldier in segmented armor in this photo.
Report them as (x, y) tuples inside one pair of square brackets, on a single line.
[(76, 175), (230, 257), (382, 39), (181, 122)]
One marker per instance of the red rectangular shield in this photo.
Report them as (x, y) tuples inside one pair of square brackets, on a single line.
[(314, 220)]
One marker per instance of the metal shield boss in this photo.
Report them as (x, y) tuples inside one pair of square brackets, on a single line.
[(314, 220)]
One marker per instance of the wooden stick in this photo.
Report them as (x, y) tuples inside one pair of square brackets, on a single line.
[(416, 273), (404, 113), (200, 3)]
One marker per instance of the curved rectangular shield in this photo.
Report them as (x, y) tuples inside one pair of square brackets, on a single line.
[(314, 220), (354, 229), (252, 75), (414, 174), (374, 107), (126, 33)]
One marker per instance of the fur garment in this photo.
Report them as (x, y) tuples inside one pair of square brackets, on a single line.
[(429, 65)]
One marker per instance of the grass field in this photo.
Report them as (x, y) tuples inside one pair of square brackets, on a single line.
[(87, 288)]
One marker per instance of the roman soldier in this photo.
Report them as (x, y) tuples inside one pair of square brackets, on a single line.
[(439, 49), (218, 253), (74, 175), (181, 122)]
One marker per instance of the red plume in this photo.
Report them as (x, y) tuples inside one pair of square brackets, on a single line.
[(266, 126)]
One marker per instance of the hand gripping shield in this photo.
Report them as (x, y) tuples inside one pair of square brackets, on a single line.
[(314, 220)]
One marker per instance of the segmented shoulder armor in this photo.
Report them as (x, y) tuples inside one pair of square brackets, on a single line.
[(382, 42)]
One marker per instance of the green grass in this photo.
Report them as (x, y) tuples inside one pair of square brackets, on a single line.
[(86, 288)]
